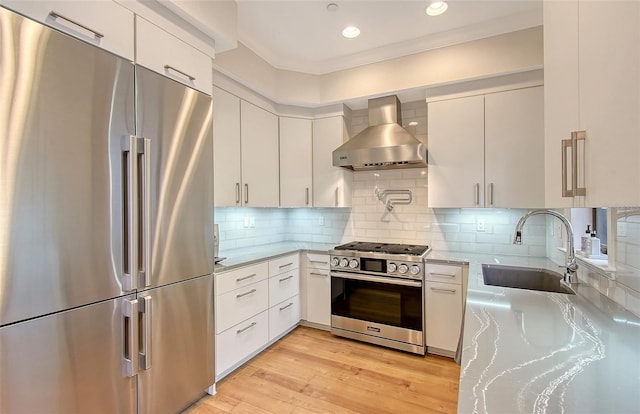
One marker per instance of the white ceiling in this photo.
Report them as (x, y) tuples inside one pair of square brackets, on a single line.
[(302, 35)]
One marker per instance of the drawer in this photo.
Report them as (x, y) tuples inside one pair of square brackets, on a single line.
[(174, 59), (241, 340), (284, 264), (317, 261), (234, 279), (284, 286), (102, 23), (443, 273), (240, 304), (284, 316)]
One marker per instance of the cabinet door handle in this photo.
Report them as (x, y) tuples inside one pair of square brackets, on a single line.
[(240, 295), (285, 265), (575, 137), (237, 193), (566, 192), (306, 196), (286, 306), (318, 274), (476, 193), (443, 290), (246, 193), (240, 279), (239, 331), (56, 15), (335, 195), (285, 278), (490, 194), (185, 74)]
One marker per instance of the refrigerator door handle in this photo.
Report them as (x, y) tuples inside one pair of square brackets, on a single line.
[(145, 353), (144, 180), (130, 347), (130, 213)]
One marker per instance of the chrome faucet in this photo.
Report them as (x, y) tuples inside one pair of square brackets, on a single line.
[(571, 265)]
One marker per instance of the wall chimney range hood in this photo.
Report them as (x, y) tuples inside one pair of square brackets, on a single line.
[(385, 144)]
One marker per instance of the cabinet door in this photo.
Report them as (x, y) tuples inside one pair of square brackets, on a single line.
[(561, 91), (295, 162), (259, 141), (609, 39), (443, 310), (174, 59), (456, 153), (514, 149), (319, 297), (331, 185), (102, 23), (226, 149), (240, 341), (284, 316)]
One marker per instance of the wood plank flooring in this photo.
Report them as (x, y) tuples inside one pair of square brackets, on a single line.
[(312, 371)]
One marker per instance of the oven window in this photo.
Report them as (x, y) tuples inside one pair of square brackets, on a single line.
[(399, 306)]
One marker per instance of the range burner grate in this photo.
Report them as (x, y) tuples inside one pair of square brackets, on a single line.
[(386, 248)]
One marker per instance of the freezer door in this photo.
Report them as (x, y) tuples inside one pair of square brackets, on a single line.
[(62, 110), (176, 345), (69, 362), (176, 123)]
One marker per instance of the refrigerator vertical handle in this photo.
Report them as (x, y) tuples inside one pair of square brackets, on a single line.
[(130, 345), (145, 353), (130, 214), (144, 212)]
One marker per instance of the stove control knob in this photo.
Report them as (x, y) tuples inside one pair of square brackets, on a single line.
[(353, 264), (391, 267), (344, 262), (415, 269), (335, 262), (403, 268)]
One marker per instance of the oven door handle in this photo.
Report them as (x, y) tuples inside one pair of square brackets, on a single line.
[(377, 279)]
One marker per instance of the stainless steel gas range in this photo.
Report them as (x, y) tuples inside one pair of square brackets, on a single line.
[(377, 294)]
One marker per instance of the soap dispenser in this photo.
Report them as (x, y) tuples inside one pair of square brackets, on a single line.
[(595, 244), (585, 242)]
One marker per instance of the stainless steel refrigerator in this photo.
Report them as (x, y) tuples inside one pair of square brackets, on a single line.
[(106, 230)]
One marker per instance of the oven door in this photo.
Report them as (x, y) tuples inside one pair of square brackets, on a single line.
[(384, 304)]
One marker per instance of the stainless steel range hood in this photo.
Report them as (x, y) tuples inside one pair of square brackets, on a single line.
[(385, 144)]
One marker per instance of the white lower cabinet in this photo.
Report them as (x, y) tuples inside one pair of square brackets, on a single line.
[(240, 341), (255, 305), (445, 287), (317, 290)]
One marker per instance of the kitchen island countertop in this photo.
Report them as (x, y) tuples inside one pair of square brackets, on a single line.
[(526, 351)]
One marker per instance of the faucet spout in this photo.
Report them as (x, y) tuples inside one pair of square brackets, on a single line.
[(571, 265)]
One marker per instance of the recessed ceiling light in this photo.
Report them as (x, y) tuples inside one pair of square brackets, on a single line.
[(350, 32), (437, 7)]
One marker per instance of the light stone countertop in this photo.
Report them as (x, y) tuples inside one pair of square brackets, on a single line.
[(248, 255), (539, 352)]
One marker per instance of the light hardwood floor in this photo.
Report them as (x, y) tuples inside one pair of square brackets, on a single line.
[(312, 371)]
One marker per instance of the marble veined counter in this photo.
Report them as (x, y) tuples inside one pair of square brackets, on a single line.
[(538, 352), (248, 255)]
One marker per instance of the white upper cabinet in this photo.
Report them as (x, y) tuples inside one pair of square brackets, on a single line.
[(164, 53), (592, 84), (260, 160), (456, 153), (226, 149), (102, 23), (295, 162), (487, 151), (331, 185)]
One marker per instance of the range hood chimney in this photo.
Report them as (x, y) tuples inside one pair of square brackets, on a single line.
[(385, 144)]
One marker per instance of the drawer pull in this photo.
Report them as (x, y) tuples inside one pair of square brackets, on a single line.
[(186, 75), (285, 265), (319, 274), (444, 290), (246, 293), (240, 279), (286, 278), (239, 331), (57, 15), (319, 262), (442, 274), (286, 306)]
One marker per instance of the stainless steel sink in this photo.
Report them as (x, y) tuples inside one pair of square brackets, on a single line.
[(524, 278)]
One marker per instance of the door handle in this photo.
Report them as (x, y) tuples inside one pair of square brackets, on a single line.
[(246, 194), (284, 279), (490, 194), (306, 195), (144, 152), (240, 295), (575, 137), (240, 279), (130, 336), (178, 71), (144, 309), (476, 193), (56, 15), (237, 193), (130, 213)]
